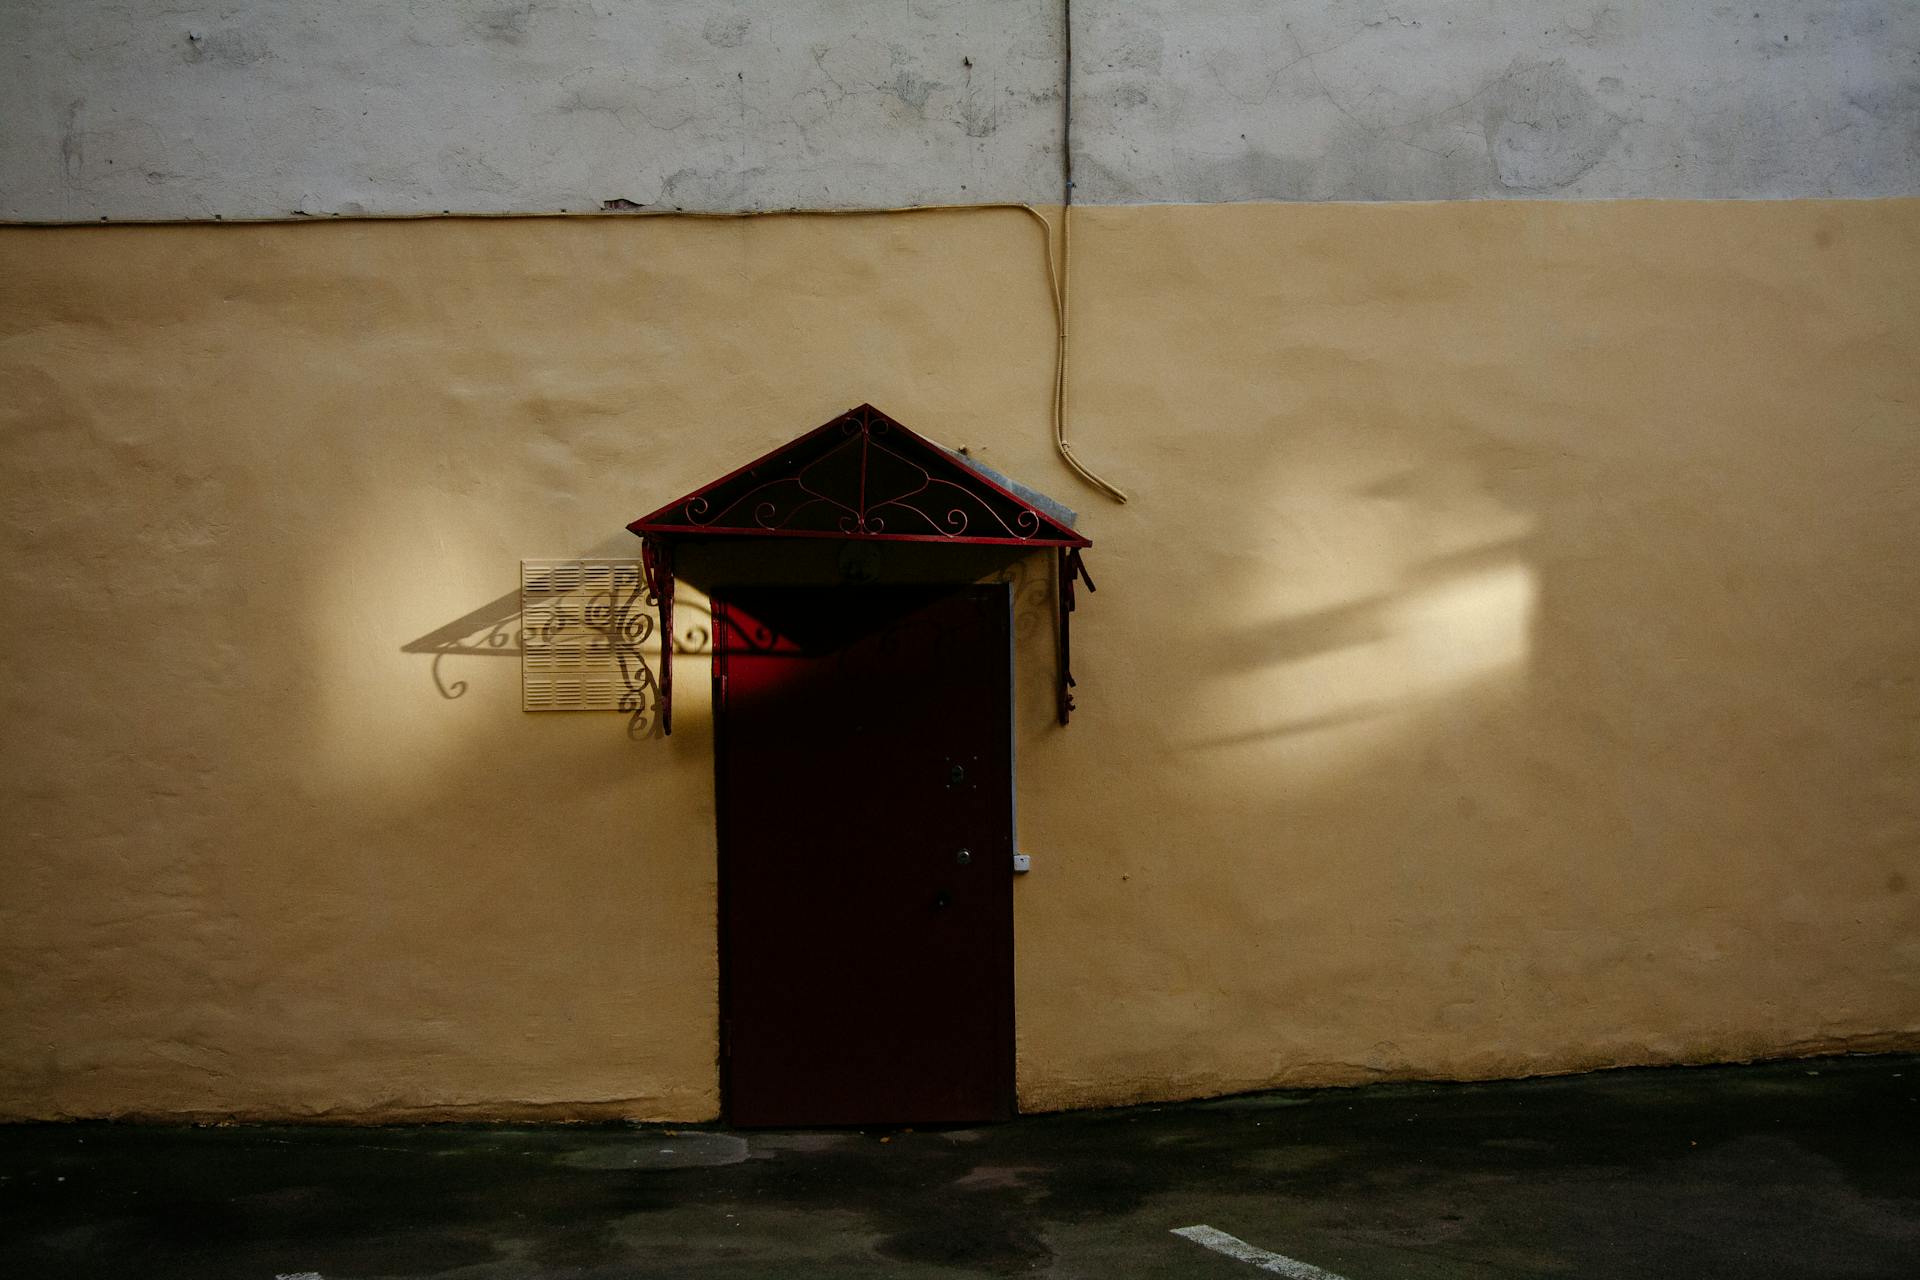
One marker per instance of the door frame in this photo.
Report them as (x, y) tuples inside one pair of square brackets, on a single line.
[(1004, 1051)]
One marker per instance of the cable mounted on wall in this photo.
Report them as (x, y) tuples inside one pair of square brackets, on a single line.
[(1062, 289)]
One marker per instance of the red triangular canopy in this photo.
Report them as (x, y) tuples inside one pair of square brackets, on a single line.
[(862, 475)]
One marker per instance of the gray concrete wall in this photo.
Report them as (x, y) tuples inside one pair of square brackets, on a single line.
[(120, 109), (1205, 100), (126, 109)]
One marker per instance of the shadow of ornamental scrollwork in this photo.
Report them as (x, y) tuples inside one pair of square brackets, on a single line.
[(585, 646), (1030, 582)]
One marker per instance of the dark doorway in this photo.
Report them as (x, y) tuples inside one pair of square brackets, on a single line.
[(865, 790)]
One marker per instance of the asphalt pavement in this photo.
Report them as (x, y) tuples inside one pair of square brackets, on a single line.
[(1782, 1170)]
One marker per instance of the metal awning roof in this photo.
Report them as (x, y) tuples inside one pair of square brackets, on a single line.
[(864, 477)]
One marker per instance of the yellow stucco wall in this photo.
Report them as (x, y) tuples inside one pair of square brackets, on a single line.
[(1510, 661)]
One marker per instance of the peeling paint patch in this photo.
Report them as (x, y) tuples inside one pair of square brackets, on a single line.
[(230, 47), (1544, 129), (508, 25), (728, 31), (910, 89), (72, 151)]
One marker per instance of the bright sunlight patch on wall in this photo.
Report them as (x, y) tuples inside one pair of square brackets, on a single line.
[(1393, 583)]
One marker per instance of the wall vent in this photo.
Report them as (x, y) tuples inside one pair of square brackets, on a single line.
[(583, 623)]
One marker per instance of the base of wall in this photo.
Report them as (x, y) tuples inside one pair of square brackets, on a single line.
[(1324, 1075), (652, 1111)]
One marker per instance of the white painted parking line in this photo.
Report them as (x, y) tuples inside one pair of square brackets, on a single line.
[(1235, 1247)]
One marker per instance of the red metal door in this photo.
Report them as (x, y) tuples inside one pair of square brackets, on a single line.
[(866, 837)]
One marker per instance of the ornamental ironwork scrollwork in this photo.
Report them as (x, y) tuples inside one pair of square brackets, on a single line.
[(854, 495)]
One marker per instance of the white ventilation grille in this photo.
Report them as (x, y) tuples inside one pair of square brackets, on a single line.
[(584, 621)]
